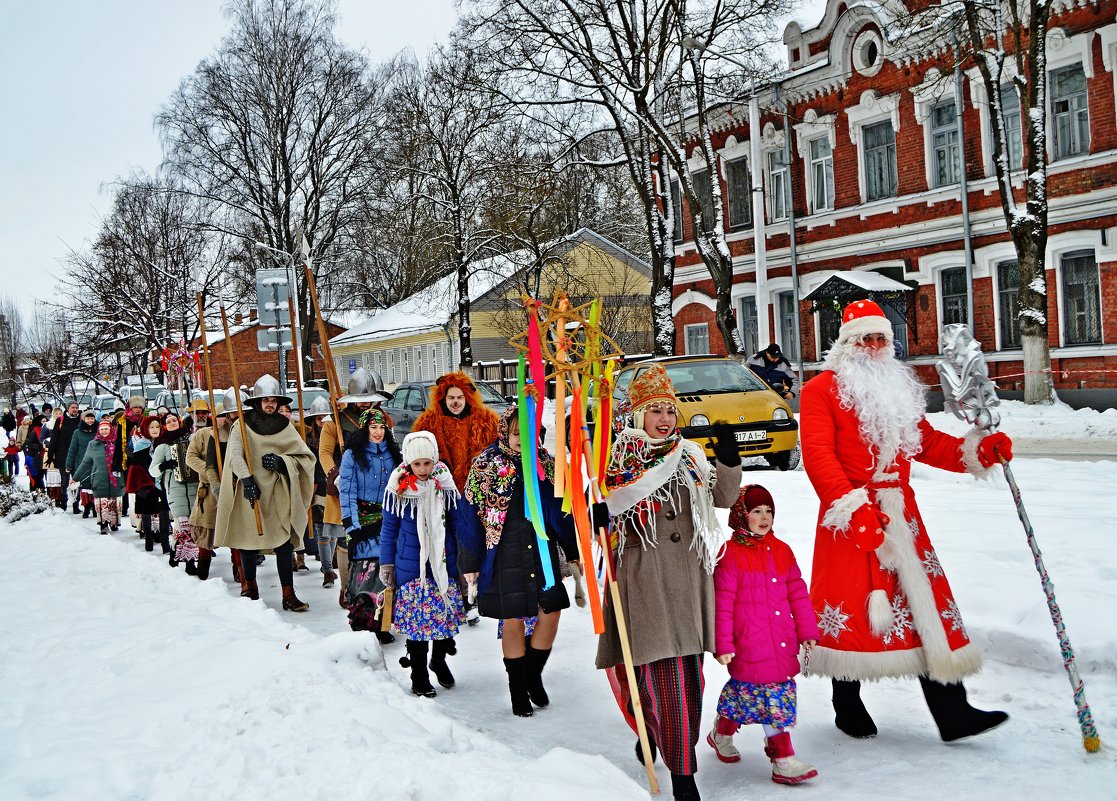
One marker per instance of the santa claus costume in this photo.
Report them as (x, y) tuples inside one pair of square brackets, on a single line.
[(884, 605)]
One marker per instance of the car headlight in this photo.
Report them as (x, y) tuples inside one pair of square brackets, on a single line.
[(699, 420), (780, 414)]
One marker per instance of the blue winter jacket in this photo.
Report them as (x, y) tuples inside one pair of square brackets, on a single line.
[(366, 485), (399, 545)]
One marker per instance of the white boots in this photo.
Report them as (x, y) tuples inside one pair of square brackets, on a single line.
[(786, 767), (723, 746)]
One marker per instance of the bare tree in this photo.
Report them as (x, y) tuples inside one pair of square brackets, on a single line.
[(281, 127), (13, 343), (134, 291), (626, 61)]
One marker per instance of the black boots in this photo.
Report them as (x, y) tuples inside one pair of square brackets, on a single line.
[(439, 650), (640, 751), (517, 686), (204, 558), (420, 678), (850, 714), (952, 712), (536, 659), (683, 788)]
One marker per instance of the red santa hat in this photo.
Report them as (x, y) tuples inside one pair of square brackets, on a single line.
[(863, 317)]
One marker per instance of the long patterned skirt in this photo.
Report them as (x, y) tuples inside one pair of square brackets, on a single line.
[(186, 549), (745, 703), (671, 692), (108, 511)]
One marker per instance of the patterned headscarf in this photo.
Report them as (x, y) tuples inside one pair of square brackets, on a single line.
[(378, 416), (752, 496), (110, 450), (492, 476)]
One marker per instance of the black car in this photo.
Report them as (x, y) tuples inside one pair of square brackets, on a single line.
[(409, 400)]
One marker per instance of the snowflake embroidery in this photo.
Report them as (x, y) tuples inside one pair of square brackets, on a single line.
[(901, 622), (832, 621), (913, 527), (954, 617), (931, 565)]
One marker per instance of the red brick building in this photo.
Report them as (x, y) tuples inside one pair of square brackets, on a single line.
[(252, 362), (874, 181)]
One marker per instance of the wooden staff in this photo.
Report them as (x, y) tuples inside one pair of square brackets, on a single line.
[(240, 416), (327, 354), (299, 393), (209, 383), (622, 627)]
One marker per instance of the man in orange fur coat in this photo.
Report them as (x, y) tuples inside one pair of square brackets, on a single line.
[(461, 423), (884, 605)]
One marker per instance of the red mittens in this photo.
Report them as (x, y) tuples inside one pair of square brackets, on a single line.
[(866, 527), (993, 448)]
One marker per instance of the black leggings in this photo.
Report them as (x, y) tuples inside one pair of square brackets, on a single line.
[(284, 563)]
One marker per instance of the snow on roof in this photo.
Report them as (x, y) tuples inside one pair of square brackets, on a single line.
[(870, 281), (430, 309)]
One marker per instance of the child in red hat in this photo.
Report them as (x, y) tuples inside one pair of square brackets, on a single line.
[(763, 615)]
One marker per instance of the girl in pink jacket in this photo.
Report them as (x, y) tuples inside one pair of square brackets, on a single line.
[(763, 615)]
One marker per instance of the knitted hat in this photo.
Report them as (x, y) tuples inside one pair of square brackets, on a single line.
[(863, 317), (419, 445), (751, 497), (89, 413), (651, 386)]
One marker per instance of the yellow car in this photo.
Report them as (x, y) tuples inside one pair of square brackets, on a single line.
[(714, 389)]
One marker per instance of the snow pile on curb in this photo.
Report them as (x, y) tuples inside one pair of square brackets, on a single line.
[(1040, 421), (17, 503)]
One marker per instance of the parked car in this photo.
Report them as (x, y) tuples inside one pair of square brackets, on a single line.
[(106, 404), (715, 389), (409, 400), (177, 400)]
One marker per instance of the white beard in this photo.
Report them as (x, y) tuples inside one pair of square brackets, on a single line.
[(885, 394)]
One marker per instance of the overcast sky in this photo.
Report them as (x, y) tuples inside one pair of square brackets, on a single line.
[(81, 82)]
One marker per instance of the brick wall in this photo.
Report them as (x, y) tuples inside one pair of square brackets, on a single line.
[(253, 363)]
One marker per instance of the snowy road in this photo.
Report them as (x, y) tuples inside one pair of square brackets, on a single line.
[(127, 680)]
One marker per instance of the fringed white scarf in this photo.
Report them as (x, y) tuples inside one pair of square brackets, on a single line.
[(428, 501), (642, 473)]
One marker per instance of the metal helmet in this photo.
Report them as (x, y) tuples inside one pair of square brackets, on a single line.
[(267, 386), (319, 408), (229, 401), (364, 387)]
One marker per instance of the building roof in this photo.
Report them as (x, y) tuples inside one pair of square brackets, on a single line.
[(431, 309)]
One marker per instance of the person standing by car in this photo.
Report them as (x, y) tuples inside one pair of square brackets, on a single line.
[(772, 366), (662, 495)]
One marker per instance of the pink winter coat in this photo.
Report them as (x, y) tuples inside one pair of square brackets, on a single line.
[(763, 611)]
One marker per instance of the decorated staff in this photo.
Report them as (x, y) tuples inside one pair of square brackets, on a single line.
[(209, 378), (247, 479), (970, 394)]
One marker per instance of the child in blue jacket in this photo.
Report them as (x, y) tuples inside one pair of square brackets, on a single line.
[(418, 556)]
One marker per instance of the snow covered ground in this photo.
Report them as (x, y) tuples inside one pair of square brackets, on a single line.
[(124, 679)]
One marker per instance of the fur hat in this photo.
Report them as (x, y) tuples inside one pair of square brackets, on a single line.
[(137, 402), (751, 497), (863, 317), (419, 445), (146, 423), (651, 386)]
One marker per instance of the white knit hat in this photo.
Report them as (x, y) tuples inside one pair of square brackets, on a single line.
[(419, 445)]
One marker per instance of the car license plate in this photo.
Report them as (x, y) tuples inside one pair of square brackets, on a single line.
[(750, 436)]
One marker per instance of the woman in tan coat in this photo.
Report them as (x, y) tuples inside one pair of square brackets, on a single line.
[(201, 457), (663, 491)]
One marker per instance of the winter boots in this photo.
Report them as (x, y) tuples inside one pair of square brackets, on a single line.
[(204, 558), (420, 678), (651, 747), (683, 788), (439, 651), (291, 603), (952, 712), (533, 674), (786, 767), (328, 578), (104, 527), (720, 739), (517, 686), (850, 714)]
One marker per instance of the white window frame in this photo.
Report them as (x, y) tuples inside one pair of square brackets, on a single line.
[(1057, 258), (705, 327), (998, 312), (871, 109), (729, 198), (816, 127), (1053, 141), (935, 90), (772, 140), (1064, 50), (980, 100)]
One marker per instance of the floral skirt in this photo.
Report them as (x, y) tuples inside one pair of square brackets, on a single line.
[(421, 613), (773, 704), (529, 626)]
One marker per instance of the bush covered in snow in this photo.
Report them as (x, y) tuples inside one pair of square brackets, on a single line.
[(17, 503)]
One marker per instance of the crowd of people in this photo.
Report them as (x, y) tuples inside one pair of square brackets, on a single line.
[(426, 532)]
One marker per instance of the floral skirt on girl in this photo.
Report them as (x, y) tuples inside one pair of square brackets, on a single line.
[(773, 704), (421, 613)]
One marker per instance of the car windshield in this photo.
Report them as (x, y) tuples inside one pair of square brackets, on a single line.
[(311, 395), (489, 395), (713, 376)]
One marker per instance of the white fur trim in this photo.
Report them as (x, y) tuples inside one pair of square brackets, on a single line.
[(869, 666), (880, 612), (898, 554), (969, 454), (841, 511), (855, 329)]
